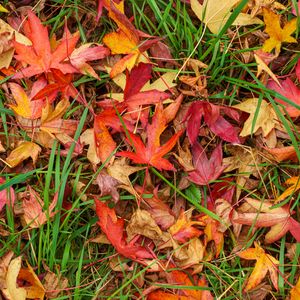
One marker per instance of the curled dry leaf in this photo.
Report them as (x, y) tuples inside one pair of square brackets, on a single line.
[(142, 223), (22, 152), (264, 263), (35, 214)]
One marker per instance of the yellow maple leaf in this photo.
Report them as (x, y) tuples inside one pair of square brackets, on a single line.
[(295, 291), (277, 34), (263, 117), (264, 263), (294, 185), (22, 152)]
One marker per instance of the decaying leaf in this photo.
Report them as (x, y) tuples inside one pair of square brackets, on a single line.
[(35, 214), (264, 263)]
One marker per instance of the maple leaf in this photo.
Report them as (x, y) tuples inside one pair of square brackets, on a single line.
[(183, 229), (160, 211), (39, 56), (124, 41), (279, 219), (262, 112), (294, 186), (283, 154), (295, 291), (288, 89), (7, 196), (206, 170), (33, 206), (24, 106), (182, 279), (153, 153), (22, 152), (214, 120), (277, 34), (246, 160), (264, 263), (113, 227), (59, 83), (215, 19)]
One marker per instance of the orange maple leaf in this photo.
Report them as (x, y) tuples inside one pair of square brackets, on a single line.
[(40, 57), (277, 34), (264, 263), (153, 153)]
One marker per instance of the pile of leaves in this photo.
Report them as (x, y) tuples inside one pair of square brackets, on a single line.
[(172, 173)]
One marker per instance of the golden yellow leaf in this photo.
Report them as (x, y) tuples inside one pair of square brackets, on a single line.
[(215, 13), (295, 291), (277, 34), (264, 263), (294, 186), (266, 118), (22, 152)]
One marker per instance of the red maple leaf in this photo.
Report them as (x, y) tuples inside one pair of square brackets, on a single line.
[(206, 169), (153, 153), (213, 119), (40, 57), (113, 227)]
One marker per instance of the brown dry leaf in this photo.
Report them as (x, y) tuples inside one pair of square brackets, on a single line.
[(264, 263), (142, 223), (121, 171), (108, 185), (256, 6), (87, 138), (22, 152), (36, 289), (7, 35), (12, 291), (54, 284), (262, 116), (33, 206), (247, 160), (185, 157)]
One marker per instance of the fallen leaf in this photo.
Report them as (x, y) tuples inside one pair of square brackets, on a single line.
[(22, 152), (88, 138), (214, 120), (294, 186), (183, 229), (108, 185), (277, 34), (288, 89), (4, 263), (54, 284), (264, 263), (283, 154), (12, 291), (121, 171), (206, 170), (39, 56), (153, 153), (113, 227), (142, 223), (7, 196), (33, 287), (262, 116), (279, 219), (248, 162), (295, 291), (35, 214), (216, 13)]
